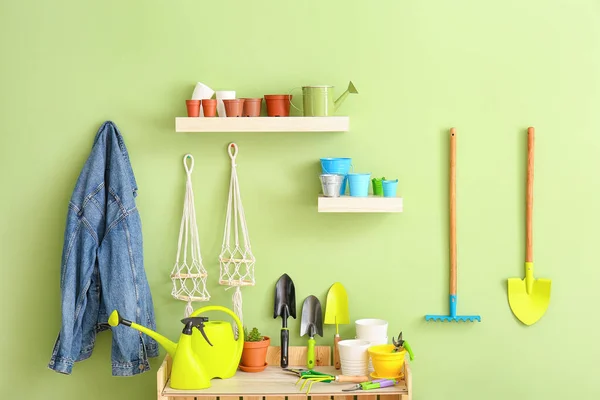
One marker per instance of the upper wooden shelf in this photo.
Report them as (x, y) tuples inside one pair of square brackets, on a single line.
[(349, 204), (262, 124)]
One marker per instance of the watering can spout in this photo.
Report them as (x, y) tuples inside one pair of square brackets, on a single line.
[(115, 319), (340, 100)]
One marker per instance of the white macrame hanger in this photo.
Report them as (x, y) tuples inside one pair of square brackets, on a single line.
[(189, 276), (236, 261)]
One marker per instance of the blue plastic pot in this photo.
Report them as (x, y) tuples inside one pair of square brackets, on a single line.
[(389, 188), (337, 166), (359, 184)]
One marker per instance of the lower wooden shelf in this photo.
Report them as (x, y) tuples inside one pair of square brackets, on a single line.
[(275, 384), (349, 204)]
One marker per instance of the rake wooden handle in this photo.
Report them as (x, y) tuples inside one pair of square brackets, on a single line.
[(529, 211), (453, 211)]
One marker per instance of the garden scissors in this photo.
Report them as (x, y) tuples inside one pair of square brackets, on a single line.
[(400, 344), (376, 384)]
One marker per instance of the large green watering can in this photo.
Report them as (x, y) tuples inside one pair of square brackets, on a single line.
[(317, 101), (208, 352)]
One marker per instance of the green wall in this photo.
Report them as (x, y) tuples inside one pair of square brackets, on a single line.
[(490, 68)]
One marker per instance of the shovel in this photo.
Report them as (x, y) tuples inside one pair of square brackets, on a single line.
[(529, 297), (312, 323), (336, 312), (285, 306)]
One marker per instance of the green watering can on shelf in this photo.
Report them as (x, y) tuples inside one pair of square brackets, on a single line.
[(317, 101), (207, 352)]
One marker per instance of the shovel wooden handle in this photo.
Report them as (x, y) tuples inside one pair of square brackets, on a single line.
[(529, 211), (453, 211), (351, 379), (336, 352)]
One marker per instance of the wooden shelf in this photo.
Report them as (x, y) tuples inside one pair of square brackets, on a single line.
[(275, 384), (262, 124), (371, 204), (274, 381)]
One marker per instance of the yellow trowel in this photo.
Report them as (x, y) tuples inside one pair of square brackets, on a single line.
[(529, 297), (336, 312)]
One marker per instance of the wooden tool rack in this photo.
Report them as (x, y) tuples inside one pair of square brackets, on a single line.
[(275, 384)]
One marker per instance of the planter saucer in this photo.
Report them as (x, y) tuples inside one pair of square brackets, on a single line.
[(253, 369), (397, 378)]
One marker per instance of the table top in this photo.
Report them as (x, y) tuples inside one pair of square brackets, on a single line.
[(274, 381)]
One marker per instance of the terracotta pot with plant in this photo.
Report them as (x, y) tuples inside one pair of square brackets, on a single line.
[(254, 355)]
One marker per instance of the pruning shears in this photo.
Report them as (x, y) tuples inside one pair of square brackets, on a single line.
[(376, 384), (400, 344)]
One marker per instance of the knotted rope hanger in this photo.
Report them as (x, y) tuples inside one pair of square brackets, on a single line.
[(236, 260), (189, 278)]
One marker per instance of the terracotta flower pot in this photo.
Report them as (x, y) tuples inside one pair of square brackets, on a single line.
[(278, 105), (252, 107), (209, 107), (254, 355), (233, 107), (193, 108)]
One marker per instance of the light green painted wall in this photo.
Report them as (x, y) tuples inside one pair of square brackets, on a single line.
[(489, 68)]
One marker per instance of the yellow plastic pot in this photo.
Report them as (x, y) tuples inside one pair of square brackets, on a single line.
[(387, 364)]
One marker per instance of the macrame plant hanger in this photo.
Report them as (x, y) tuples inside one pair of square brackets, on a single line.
[(236, 260), (189, 276)]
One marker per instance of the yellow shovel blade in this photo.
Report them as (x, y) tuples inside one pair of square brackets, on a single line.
[(336, 308), (529, 306)]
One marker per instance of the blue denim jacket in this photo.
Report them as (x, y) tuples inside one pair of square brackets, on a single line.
[(102, 266)]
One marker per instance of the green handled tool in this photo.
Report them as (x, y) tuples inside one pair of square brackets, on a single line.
[(376, 384), (312, 324), (400, 344), (311, 377)]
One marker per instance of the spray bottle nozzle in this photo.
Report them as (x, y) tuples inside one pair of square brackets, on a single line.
[(195, 322)]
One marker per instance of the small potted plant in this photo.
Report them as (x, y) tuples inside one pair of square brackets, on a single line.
[(254, 355)]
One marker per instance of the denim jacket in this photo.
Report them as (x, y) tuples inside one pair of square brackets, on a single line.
[(102, 267)]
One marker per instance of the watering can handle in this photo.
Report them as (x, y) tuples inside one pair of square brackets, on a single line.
[(291, 102), (226, 311)]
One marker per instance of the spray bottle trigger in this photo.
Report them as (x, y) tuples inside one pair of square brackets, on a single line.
[(198, 323)]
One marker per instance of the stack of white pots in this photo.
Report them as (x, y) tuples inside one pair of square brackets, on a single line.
[(354, 356), (373, 331)]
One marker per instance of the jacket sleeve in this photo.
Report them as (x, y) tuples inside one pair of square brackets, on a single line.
[(125, 288), (77, 264)]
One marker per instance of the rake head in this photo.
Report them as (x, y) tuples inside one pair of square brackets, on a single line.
[(453, 316), (449, 318)]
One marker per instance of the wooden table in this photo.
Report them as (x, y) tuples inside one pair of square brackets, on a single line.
[(275, 384)]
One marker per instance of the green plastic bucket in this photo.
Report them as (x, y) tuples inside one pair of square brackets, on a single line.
[(378, 186)]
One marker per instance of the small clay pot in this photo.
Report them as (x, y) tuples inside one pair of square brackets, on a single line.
[(254, 355), (252, 107), (278, 105), (193, 108), (209, 107), (233, 107)]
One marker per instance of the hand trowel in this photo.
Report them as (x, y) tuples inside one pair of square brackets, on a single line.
[(285, 306), (336, 313), (312, 323)]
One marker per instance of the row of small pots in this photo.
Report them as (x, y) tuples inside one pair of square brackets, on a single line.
[(278, 105)]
